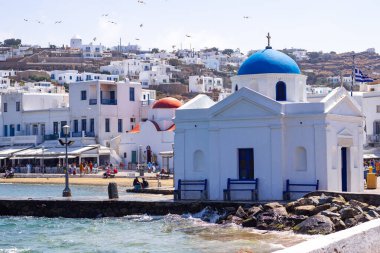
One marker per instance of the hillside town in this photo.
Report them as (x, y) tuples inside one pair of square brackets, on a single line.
[(120, 102)]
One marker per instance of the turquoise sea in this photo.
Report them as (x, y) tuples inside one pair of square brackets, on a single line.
[(135, 233)]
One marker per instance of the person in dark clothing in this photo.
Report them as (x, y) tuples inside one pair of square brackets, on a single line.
[(144, 183), (136, 184)]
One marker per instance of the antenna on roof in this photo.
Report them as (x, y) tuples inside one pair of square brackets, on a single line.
[(268, 37)]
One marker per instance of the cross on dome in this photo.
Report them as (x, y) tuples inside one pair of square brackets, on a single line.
[(268, 37)]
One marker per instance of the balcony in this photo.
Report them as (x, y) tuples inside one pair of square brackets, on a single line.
[(109, 101), (76, 134), (93, 101), (373, 139), (50, 137), (90, 134)]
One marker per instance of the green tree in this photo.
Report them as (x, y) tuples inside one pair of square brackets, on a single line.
[(174, 62), (228, 51), (155, 50), (12, 42)]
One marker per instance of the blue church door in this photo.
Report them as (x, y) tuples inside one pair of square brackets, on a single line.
[(246, 164), (280, 91), (344, 169)]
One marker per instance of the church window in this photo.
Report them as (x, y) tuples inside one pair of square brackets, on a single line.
[(236, 87), (246, 164), (301, 159), (281, 91), (198, 160)]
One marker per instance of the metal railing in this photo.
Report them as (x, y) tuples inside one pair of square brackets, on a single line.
[(92, 101), (90, 134), (50, 137), (375, 138), (109, 101), (76, 134)]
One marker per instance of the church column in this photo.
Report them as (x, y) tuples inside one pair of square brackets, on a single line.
[(277, 165), (214, 173), (179, 157)]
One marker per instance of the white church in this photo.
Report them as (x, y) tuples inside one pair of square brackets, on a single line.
[(268, 130)]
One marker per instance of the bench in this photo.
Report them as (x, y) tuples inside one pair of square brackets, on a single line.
[(191, 186), (239, 182), (286, 194)]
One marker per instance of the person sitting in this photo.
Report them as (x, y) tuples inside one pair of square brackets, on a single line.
[(136, 184), (107, 174), (144, 183)]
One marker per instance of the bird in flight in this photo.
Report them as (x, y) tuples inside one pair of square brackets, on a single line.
[(141, 25), (58, 22), (105, 15), (246, 17), (26, 20), (137, 39), (189, 36), (112, 22), (141, 2), (39, 22), (94, 39)]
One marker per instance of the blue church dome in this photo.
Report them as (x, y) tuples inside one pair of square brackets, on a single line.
[(269, 61)]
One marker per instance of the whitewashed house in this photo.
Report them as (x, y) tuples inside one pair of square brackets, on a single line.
[(149, 139), (203, 84), (268, 130)]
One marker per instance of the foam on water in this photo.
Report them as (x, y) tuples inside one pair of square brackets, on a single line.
[(134, 233)]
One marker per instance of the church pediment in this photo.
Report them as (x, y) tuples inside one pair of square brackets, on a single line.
[(244, 109), (345, 107), (246, 103), (345, 133)]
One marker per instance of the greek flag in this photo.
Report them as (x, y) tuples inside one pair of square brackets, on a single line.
[(361, 78)]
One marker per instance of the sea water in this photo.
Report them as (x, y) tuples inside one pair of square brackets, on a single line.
[(134, 233), (137, 233)]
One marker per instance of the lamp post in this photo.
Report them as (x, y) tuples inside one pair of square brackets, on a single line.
[(66, 131), (43, 161)]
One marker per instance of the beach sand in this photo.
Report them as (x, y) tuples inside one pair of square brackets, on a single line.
[(126, 182)]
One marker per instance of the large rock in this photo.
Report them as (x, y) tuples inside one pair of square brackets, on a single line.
[(272, 205), (339, 200), (325, 199), (304, 210), (330, 214), (350, 222), (317, 224), (234, 219), (241, 213), (355, 203), (348, 212), (291, 205), (308, 201), (320, 208), (280, 211), (250, 222), (255, 210), (296, 219), (373, 214), (338, 223)]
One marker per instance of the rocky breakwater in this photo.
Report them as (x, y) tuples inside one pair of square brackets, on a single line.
[(312, 215)]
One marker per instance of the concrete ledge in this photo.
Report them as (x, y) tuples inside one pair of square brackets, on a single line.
[(71, 208), (358, 239), (153, 191)]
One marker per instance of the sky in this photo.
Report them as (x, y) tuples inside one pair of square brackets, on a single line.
[(315, 25)]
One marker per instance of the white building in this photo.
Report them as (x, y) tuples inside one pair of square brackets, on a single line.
[(268, 130), (76, 42), (153, 137), (203, 84), (300, 54), (72, 76)]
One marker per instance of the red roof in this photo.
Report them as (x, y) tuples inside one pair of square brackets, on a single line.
[(167, 103), (136, 129)]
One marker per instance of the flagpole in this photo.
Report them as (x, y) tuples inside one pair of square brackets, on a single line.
[(353, 73)]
